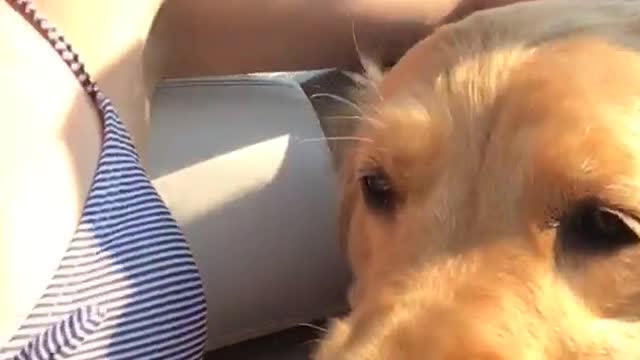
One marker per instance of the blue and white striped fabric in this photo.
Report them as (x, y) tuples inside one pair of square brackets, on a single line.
[(128, 287)]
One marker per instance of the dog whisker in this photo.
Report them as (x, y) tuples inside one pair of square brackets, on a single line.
[(336, 138), (313, 326), (339, 99), (372, 120), (363, 82), (311, 341)]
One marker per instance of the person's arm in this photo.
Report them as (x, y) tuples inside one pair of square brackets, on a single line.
[(208, 37)]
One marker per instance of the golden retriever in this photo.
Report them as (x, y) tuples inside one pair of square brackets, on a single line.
[(491, 209)]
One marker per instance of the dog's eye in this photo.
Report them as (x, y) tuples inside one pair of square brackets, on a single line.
[(377, 191), (593, 229)]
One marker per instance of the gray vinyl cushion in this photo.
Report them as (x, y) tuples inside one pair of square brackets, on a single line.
[(242, 165)]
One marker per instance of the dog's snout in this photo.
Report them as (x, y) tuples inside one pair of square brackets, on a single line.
[(475, 306), (444, 331)]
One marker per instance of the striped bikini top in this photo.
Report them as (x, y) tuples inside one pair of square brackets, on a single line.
[(127, 287)]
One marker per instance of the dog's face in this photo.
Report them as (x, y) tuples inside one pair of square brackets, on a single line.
[(491, 209)]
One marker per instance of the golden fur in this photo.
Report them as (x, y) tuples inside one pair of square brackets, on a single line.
[(490, 132)]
